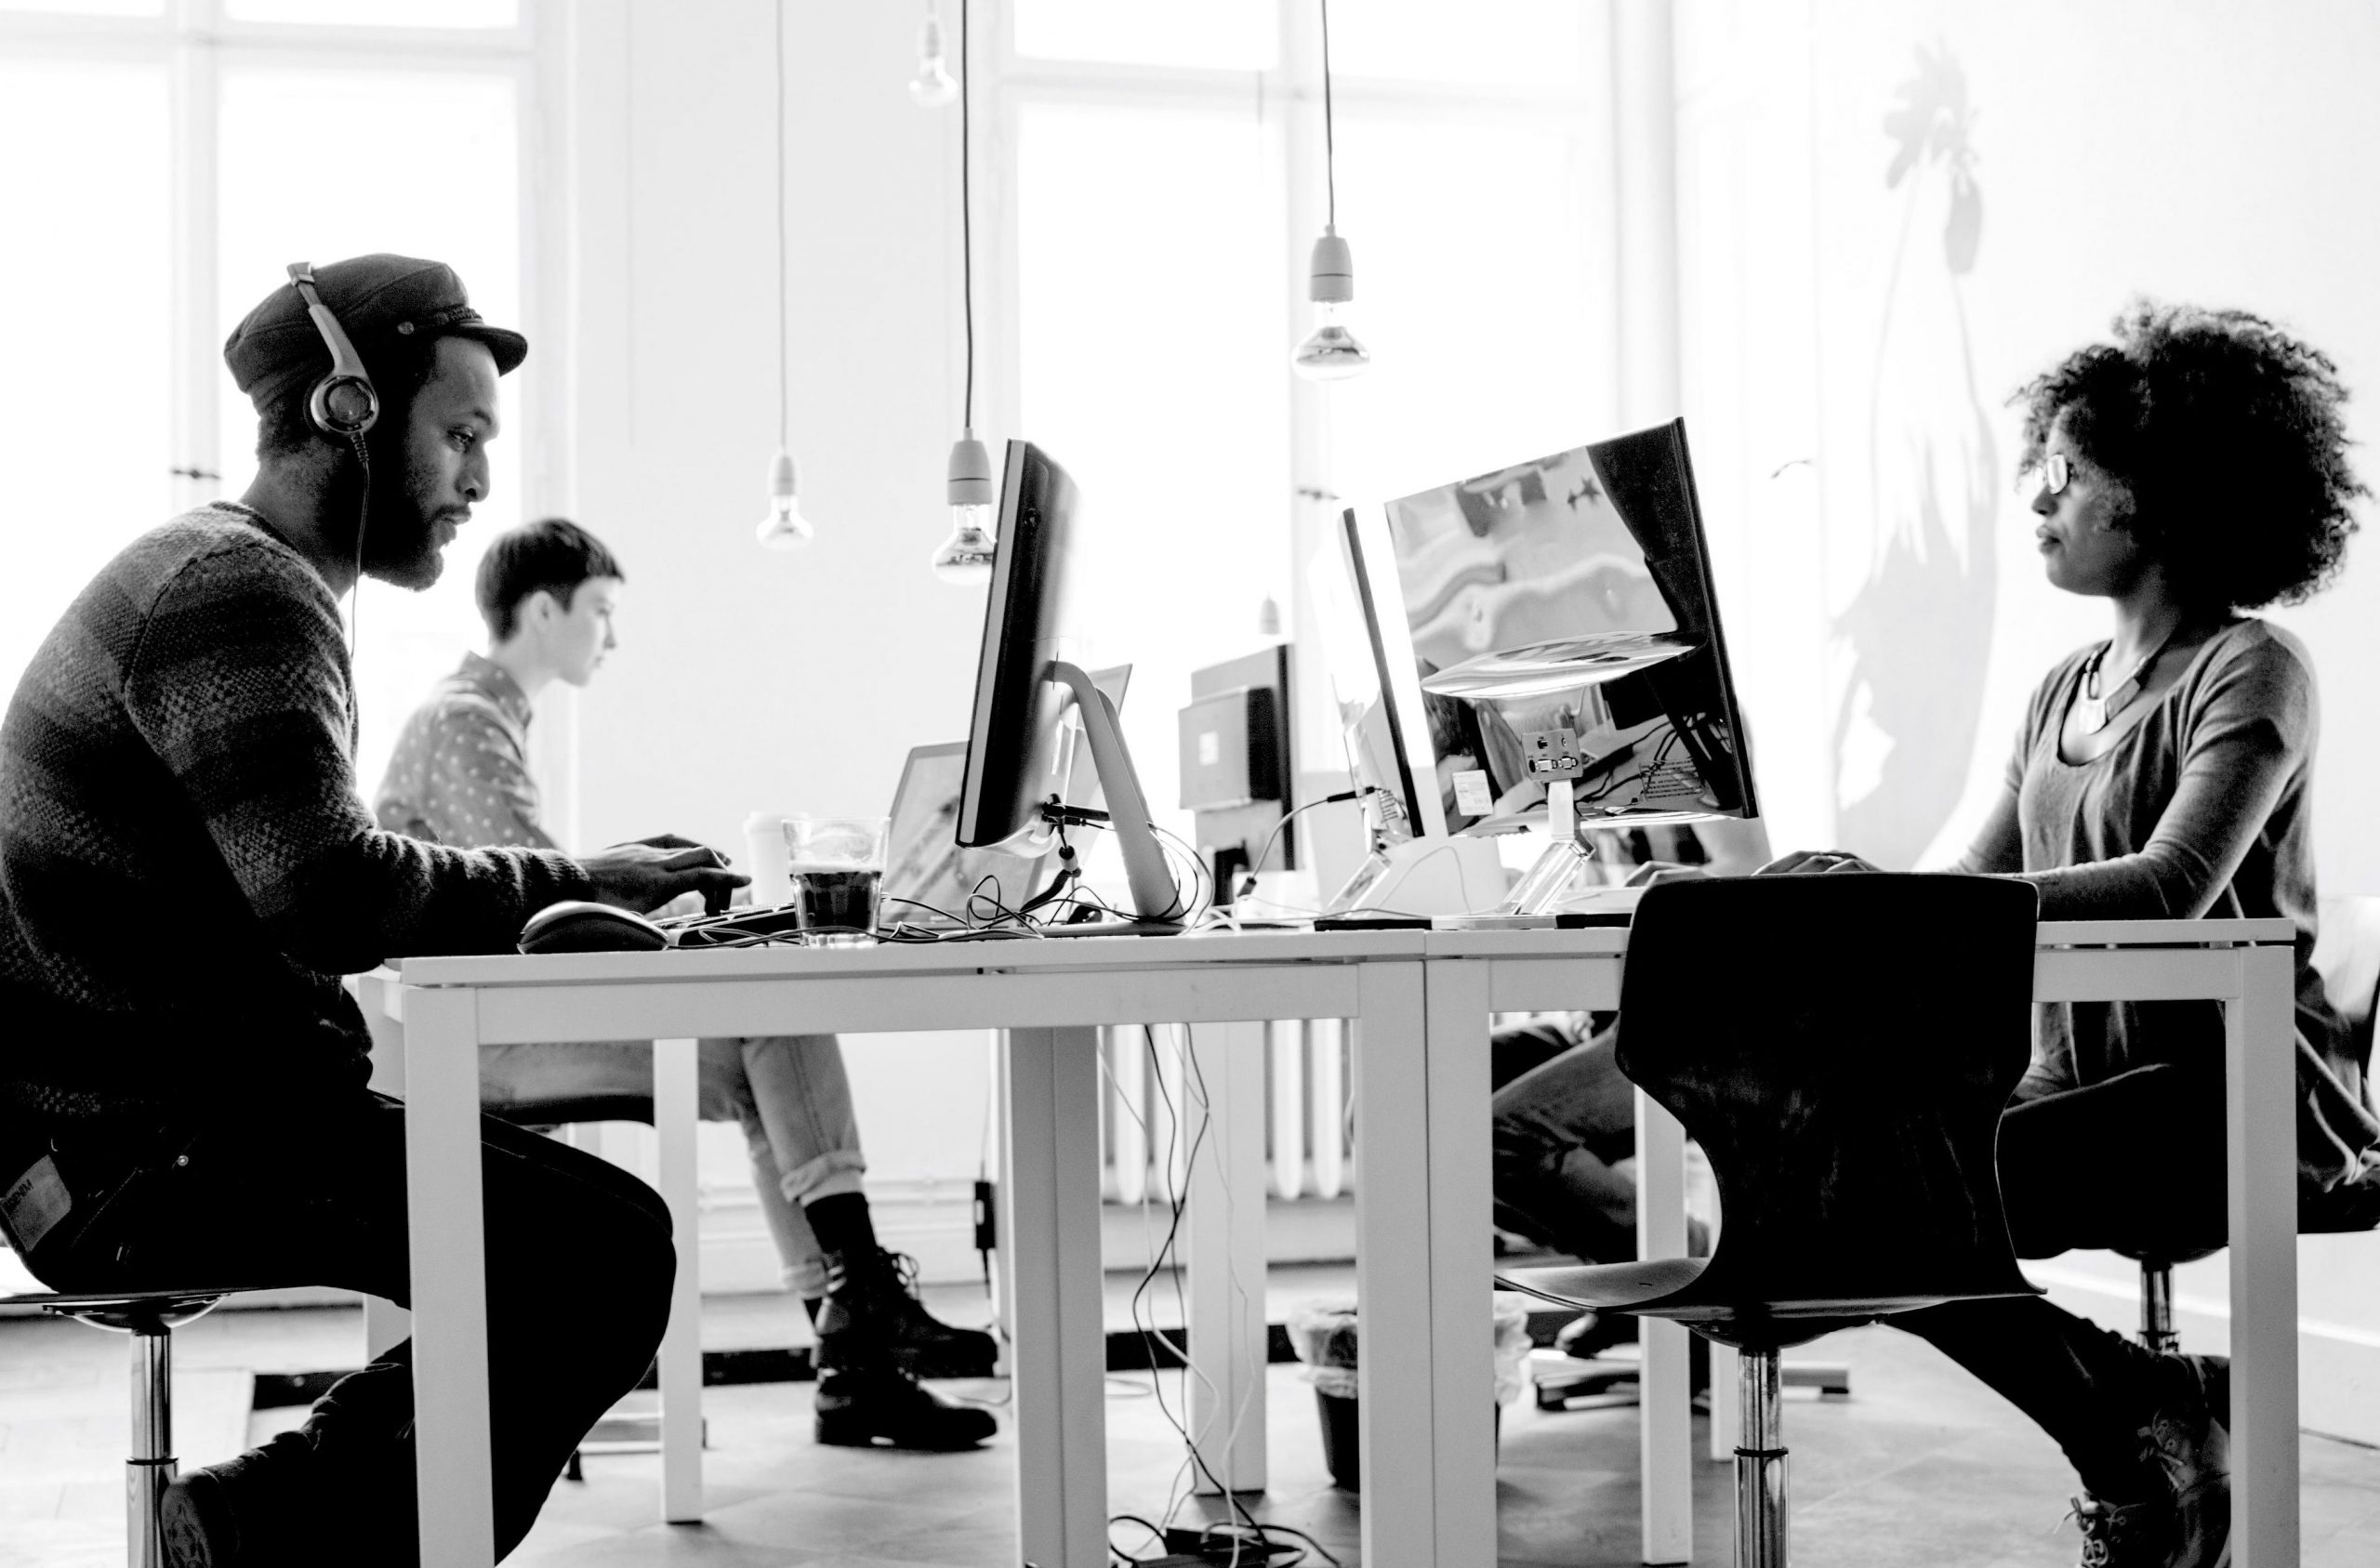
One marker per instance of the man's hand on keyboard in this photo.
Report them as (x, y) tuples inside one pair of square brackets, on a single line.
[(646, 875)]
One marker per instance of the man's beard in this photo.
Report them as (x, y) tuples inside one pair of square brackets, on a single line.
[(400, 539)]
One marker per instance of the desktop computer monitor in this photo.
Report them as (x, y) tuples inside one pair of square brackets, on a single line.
[(1566, 604), (1033, 699)]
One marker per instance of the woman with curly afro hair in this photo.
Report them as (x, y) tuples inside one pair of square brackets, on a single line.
[(2190, 471)]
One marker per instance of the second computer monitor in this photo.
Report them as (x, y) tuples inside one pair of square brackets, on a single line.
[(1562, 614)]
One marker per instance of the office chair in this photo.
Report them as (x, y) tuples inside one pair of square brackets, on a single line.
[(2348, 955), (150, 1317), (1849, 1094)]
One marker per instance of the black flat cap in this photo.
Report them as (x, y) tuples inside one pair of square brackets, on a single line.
[(380, 300)]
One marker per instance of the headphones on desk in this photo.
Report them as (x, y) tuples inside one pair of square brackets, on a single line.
[(344, 403)]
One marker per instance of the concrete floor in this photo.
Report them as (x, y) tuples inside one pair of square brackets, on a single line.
[(1920, 1466)]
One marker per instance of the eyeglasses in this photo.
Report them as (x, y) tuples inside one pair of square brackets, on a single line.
[(2056, 473)]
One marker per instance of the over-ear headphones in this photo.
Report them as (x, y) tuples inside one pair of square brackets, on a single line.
[(343, 404)]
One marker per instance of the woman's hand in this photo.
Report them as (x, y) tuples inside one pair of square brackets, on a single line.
[(1815, 862)]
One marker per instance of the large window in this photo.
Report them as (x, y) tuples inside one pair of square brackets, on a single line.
[(160, 162), (1161, 177)]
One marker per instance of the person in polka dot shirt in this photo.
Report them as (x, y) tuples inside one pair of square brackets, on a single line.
[(459, 775)]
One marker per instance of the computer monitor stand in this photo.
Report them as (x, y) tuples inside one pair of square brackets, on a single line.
[(1158, 905), (1422, 879), (1564, 869)]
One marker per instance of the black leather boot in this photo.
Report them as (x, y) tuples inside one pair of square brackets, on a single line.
[(878, 1289), (867, 1395)]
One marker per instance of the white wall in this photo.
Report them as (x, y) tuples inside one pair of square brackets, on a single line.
[(748, 679), (1889, 617)]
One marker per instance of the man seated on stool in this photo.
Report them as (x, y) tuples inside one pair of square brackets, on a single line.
[(460, 776), (185, 872)]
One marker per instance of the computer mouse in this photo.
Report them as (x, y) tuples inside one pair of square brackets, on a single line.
[(581, 926)]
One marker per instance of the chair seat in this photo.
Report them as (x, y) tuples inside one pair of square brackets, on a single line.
[(128, 1312), (1666, 1287)]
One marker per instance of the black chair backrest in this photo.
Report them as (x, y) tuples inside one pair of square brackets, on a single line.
[(1841, 1047)]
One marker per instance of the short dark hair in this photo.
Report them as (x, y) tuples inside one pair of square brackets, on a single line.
[(398, 372), (551, 555), (2228, 433)]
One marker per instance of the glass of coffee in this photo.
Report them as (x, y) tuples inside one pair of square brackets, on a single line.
[(837, 867)]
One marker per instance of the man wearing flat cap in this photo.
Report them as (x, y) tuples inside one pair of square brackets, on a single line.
[(186, 871)]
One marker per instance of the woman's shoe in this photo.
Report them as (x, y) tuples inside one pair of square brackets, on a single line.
[(2124, 1535), (2188, 1438)]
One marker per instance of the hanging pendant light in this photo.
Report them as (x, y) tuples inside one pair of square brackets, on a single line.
[(964, 559), (1330, 352), (932, 87), (784, 528)]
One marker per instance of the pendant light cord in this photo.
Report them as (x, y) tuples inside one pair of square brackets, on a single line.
[(783, 421), (1329, 151), (966, 222)]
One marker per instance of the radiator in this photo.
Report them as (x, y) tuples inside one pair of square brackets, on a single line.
[(1144, 1145)]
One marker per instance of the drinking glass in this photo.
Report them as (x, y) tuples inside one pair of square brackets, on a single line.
[(837, 867)]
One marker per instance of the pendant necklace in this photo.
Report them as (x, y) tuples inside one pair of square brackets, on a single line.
[(2092, 709)]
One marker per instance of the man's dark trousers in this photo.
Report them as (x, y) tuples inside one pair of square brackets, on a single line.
[(579, 1264)]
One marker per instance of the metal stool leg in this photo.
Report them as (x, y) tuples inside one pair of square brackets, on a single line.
[(1760, 1464), (150, 1468), (2157, 1308)]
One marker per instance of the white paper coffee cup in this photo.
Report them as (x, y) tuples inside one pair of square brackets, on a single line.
[(764, 850)]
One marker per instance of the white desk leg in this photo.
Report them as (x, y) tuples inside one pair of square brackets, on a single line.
[(1664, 1409), (448, 1258), (674, 1118), (1393, 1285), (2261, 1144), (1462, 1264), (386, 1326), (1050, 1225), (1225, 1256)]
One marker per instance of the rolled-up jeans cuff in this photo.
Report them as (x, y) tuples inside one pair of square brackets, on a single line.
[(832, 1174)]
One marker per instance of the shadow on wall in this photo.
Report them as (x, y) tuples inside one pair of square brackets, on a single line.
[(1915, 640)]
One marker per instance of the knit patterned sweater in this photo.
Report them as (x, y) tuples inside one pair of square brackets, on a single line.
[(185, 865)]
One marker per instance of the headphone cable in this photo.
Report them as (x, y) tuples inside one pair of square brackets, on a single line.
[(363, 519)]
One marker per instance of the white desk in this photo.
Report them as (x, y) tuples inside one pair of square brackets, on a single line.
[(1421, 1006), (1049, 996), (2247, 964)]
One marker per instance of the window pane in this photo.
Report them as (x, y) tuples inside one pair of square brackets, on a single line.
[(1152, 320), (1229, 34), (1533, 43), (448, 190), (379, 13), (1484, 295), (86, 431)]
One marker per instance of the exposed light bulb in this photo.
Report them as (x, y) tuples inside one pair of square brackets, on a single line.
[(784, 528), (965, 558), (933, 87), (1330, 352)]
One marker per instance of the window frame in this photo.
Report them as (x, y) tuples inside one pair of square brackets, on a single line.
[(195, 42)]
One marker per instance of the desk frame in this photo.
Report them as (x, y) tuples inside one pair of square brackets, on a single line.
[(2246, 965)]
